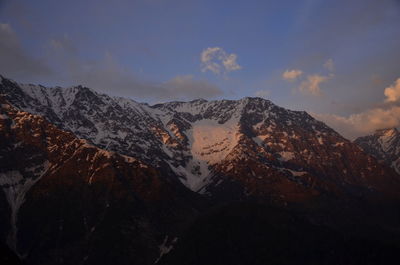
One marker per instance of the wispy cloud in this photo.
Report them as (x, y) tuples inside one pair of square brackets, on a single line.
[(15, 61), (358, 124), (105, 73), (291, 75), (363, 123), (64, 43), (109, 76), (186, 87), (312, 85), (329, 64), (264, 93), (218, 61)]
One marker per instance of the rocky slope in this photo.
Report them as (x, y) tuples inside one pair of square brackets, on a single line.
[(99, 179), (384, 145), (209, 145), (64, 201)]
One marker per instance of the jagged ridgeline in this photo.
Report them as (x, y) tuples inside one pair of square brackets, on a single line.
[(384, 145), (88, 178)]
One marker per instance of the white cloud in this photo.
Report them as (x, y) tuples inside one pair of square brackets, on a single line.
[(291, 75), (329, 65), (264, 93), (216, 60), (312, 84), (362, 123), (366, 122), (392, 92)]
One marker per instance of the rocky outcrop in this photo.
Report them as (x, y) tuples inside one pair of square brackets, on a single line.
[(384, 145)]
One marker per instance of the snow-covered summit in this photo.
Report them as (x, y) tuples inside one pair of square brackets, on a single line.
[(384, 144), (198, 142)]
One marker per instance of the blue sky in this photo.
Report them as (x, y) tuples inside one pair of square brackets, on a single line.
[(346, 53)]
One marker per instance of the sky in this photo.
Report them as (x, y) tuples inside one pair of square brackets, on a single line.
[(337, 59)]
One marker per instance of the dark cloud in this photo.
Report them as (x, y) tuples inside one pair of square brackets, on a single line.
[(64, 44), (105, 74), (108, 76), (190, 88), (16, 62)]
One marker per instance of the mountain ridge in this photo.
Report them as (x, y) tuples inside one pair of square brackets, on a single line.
[(197, 141), (85, 173), (384, 144)]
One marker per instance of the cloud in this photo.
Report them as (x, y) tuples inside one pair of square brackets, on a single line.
[(291, 75), (109, 76), (312, 84), (392, 92), (366, 122), (64, 43), (264, 93), (362, 123), (188, 88), (105, 73), (15, 61), (218, 61), (329, 65)]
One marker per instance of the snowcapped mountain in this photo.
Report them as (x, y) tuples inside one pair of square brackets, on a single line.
[(209, 143), (97, 179), (384, 145), (65, 193)]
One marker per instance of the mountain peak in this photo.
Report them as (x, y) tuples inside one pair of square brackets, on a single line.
[(387, 132), (384, 145), (199, 100)]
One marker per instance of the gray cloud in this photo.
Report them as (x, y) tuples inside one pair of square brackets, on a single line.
[(15, 62), (64, 44), (108, 76), (190, 88), (329, 64), (105, 74), (263, 93)]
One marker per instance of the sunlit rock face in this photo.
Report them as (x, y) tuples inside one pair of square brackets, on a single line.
[(384, 145)]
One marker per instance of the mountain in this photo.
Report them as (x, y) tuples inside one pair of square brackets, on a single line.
[(242, 144), (89, 178), (65, 201), (384, 145), (256, 234)]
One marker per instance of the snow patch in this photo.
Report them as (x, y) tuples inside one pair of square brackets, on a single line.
[(259, 139), (209, 143), (15, 187), (165, 248)]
